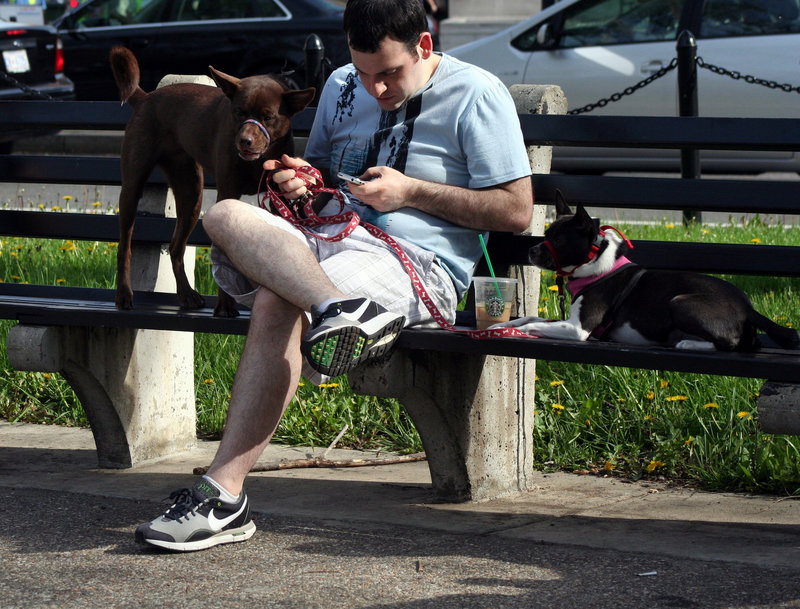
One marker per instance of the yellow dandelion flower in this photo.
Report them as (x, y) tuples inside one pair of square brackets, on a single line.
[(710, 405), (56, 208), (67, 198), (608, 466), (209, 381), (41, 205), (648, 417), (61, 281), (46, 376), (744, 414), (653, 465), (553, 288), (677, 398), (557, 407), (96, 204), (556, 383), (664, 384), (756, 240), (649, 395), (688, 441), (705, 231), (669, 226), (621, 400)]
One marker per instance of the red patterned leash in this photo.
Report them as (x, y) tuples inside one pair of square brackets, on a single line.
[(312, 179)]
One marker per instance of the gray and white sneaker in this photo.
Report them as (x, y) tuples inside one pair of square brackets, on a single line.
[(348, 333), (198, 519)]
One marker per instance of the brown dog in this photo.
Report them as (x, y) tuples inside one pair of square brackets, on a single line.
[(228, 130)]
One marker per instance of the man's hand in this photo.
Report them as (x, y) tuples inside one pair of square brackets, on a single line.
[(504, 207), (386, 189), (285, 178)]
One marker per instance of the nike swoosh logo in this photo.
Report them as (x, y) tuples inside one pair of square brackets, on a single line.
[(217, 524)]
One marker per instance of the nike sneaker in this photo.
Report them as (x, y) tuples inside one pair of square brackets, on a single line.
[(198, 519), (348, 333)]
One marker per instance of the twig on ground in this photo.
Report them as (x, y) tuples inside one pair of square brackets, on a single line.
[(323, 462)]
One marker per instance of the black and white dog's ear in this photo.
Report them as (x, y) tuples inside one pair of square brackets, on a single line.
[(582, 216), (562, 209)]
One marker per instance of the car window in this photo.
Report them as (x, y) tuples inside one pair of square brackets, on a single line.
[(602, 22), (202, 10), (104, 13), (749, 18)]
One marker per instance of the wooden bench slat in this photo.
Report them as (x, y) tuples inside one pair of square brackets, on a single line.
[(708, 133), (65, 306), (737, 196)]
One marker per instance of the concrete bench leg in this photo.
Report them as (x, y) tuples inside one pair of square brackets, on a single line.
[(136, 386), (471, 416), (779, 408)]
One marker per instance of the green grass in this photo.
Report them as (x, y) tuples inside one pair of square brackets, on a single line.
[(695, 429)]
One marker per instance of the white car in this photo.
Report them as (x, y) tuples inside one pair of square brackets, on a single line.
[(596, 48)]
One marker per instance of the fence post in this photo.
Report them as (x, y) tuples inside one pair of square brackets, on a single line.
[(315, 53), (687, 106)]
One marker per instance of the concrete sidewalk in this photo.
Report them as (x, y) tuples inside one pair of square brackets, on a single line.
[(371, 537)]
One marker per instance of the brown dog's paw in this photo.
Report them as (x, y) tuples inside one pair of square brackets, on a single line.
[(124, 299), (226, 306), (191, 300)]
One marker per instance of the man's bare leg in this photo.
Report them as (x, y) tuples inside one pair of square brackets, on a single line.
[(268, 256), (266, 381)]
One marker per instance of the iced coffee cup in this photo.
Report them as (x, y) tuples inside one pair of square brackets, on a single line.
[(493, 298)]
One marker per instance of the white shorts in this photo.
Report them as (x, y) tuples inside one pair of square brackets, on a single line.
[(360, 265)]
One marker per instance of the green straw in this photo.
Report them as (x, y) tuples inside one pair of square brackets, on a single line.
[(491, 270)]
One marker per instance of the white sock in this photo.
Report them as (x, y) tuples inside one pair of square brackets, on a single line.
[(223, 494)]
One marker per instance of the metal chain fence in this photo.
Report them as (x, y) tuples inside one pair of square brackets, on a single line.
[(671, 66), (30, 91)]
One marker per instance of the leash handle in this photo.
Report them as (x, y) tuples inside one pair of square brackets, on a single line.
[(313, 180)]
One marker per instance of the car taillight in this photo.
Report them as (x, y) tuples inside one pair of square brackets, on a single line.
[(73, 3), (59, 65)]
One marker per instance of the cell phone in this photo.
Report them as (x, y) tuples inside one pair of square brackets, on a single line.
[(349, 178)]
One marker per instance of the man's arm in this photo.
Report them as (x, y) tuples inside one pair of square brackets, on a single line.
[(505, 207)]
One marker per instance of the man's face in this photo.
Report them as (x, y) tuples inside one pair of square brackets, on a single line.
[(392, 74)]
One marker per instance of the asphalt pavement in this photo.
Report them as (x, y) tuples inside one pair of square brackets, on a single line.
[(372, 537)]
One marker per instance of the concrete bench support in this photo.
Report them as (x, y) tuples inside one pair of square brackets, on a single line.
[(136, 386), (779, 408), (474, 413)]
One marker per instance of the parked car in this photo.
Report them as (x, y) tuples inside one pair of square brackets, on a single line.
[(32, 68), (595, 48), (239, 37)]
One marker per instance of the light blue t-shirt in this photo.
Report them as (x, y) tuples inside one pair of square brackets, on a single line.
[(460, 129)]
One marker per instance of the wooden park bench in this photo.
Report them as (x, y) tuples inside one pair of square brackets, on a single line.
[(472, 401)]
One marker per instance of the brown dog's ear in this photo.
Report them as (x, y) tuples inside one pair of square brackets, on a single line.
[(228, 84), (295, 101), (562, 209)]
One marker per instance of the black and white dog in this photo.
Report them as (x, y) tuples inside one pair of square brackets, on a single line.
[(615, 299)]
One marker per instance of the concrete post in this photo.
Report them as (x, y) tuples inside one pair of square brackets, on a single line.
[(474, 413)]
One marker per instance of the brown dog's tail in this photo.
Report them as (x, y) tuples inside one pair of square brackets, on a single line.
[(785, 337), (126, 74)]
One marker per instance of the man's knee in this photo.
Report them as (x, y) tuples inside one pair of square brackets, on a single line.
[(216, 221)]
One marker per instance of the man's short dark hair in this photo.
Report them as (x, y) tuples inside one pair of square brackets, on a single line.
[(368, 22)]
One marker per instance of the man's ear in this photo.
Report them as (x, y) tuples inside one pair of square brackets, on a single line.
[(425, 45)]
